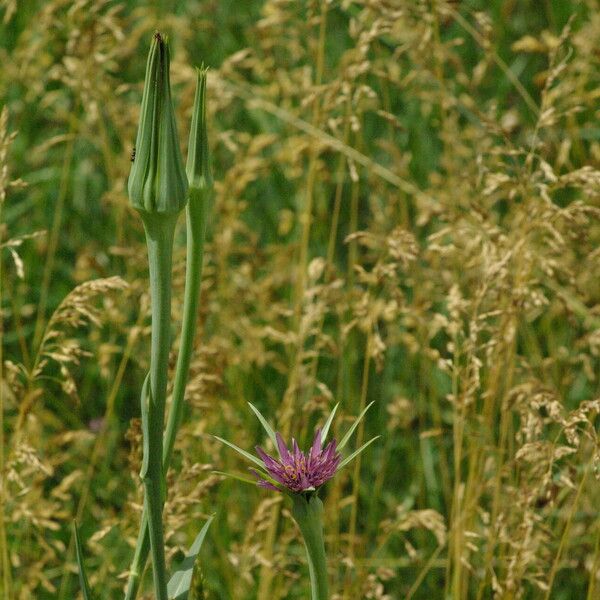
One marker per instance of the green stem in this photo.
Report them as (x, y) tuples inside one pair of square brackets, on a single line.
[(142, 550), (308, 513), (160, 230), (197, 211)]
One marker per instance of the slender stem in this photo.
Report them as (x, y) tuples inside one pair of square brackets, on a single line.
[(357, 463), (142, 549), (160, 229), (53, 239), (196, 228), (309, 516), (197, 211), (565, 535)]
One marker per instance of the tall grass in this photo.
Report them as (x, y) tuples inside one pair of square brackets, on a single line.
[(406, 212)]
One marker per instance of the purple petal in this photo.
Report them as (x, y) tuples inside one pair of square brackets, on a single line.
[(264, 456), (278, 477), (255, 473), (267, 485), (329, 451), (296, 470), (286, 457), (316, 447), (262, 481), (305, 481), (297, 452)]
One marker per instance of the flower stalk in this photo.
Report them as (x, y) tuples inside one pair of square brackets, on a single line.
[(300, 475), (160, 231), (308, 513), (157, 188), (200, 194)]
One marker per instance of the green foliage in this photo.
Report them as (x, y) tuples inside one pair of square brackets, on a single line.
[(405, 213), (83, 580), (186, 581)]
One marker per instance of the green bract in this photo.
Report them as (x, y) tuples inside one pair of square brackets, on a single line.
[(198, 165), (157, 182)]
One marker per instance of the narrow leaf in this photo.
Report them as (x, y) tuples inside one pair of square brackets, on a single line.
[(264, 423), (181, 580), (236, 476), (327, 425), (83, 580), (354, 426), (263, 475), (245, 454), (356, 453)]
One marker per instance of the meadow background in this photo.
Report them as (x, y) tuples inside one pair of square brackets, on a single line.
[(407, 202)]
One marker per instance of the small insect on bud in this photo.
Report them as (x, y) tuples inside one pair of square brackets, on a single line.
[(157, 182), (133, 155)]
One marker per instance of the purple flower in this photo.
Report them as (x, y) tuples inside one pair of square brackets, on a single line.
[(297, 471)]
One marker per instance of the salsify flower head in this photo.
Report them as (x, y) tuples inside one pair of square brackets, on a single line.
[(296, 472)]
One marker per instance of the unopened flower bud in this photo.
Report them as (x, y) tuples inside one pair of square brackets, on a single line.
[(198, 164), (157, 182)]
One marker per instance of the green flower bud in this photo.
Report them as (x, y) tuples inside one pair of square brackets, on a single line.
[(198, 164), (157, 182)]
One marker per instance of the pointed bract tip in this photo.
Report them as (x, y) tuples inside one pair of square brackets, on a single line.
[(198, 161)]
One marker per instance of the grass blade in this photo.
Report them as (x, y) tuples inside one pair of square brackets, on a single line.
[(83, 580), (181, 580)]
